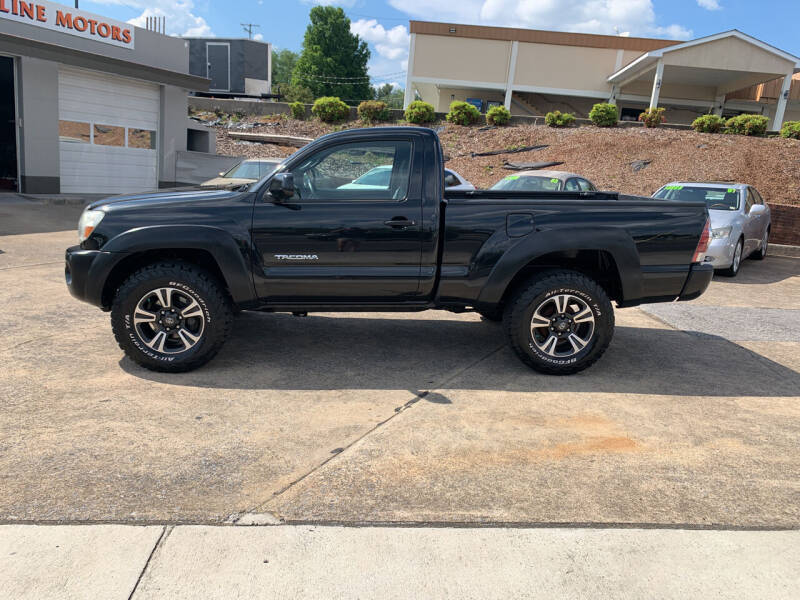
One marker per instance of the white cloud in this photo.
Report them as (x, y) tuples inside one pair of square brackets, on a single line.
[(180, 16), (390, 49), (589, 16), (342, 3), (259, 37), (709, 4)]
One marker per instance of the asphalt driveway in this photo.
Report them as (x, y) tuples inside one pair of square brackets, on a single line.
[(692, 418)]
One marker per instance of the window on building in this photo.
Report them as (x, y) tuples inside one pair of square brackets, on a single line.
[(141, 138), (109, 135), (73, 131)]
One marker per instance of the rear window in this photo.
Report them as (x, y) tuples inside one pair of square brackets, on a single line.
[(716, 198), (528, 183)]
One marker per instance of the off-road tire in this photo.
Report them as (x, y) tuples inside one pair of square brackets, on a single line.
[(191, 281), (542, 288)]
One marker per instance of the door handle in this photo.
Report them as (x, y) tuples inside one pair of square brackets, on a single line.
[(399, 223)]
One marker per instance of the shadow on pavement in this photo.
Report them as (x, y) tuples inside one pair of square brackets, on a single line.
[(276, 351), (770, 270)]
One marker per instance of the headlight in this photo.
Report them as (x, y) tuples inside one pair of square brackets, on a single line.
[(88, 221), (721, 233)]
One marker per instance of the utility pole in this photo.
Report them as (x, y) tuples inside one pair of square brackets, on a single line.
[(248, 27)]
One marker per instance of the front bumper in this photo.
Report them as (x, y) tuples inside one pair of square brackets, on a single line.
[(86, 272), (700, 275), (720, 253)]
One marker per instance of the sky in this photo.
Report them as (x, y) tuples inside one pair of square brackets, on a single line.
[(384, 23)]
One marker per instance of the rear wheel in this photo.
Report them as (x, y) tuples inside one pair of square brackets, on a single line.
[(171, 317), (560, 323), (761, 253)]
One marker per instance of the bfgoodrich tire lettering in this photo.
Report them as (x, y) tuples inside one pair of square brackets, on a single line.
[(560, 323), (147, 317)]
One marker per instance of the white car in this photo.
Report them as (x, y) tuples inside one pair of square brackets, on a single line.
[(377, 178), (544, 181), (740, 220)]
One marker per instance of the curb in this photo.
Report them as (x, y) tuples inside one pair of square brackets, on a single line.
[(783, 250)]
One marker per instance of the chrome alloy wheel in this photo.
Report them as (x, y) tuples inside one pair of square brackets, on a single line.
[(737, 257), (562, 325), (168, 320), (765, 242)]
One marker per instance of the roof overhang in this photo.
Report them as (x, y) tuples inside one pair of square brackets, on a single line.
[(14, 44), (648, 61)]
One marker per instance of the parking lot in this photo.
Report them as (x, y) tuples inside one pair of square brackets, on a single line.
[(691, 418)]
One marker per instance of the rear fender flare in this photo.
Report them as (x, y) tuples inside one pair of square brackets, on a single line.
[(616, 242)]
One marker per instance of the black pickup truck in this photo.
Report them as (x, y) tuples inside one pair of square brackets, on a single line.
[(358, 221)]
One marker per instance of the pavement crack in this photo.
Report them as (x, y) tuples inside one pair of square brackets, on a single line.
[(55, 262), (159, 542)]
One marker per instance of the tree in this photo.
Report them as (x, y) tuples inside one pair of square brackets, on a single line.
[(393, 97), (283, 62), (333, 61)]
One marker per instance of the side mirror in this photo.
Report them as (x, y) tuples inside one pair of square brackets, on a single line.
[(758, 209), (281, 186)]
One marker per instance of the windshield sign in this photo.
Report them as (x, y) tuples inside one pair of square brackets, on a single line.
[(716, 198)]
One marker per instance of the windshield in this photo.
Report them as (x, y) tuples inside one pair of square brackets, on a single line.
[(251, 170), (716, 198), (528, 183)]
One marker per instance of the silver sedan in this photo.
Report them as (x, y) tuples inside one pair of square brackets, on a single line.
[(740, 220)]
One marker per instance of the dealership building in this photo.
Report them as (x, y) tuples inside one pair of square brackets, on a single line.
[(90, 104), (532, 72)]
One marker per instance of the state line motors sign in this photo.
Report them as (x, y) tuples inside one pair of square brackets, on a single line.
[(58, 17)]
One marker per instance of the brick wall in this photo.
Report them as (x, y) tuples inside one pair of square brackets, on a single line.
[(785, 224)]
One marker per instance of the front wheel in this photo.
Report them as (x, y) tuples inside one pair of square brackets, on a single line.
[(560, 323), (171, 317)]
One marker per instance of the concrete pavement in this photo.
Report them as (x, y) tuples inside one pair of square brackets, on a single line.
[(228, 563)]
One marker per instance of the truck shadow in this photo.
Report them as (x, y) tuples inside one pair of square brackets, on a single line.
[(277, 351)]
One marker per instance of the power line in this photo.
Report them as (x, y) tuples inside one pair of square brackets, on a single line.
[(248, 27)]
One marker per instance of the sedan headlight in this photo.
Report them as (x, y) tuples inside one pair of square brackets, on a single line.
[(88, 221), (721, 233)]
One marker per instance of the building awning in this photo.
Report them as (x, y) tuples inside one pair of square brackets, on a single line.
[(14, 44), (726, 61)]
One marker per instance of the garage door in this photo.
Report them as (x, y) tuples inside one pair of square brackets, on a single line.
[(107, 133)]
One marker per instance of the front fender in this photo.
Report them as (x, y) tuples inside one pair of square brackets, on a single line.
[(617, 242), (230, 254)]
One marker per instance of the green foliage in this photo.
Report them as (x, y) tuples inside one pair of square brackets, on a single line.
[(371, 111), (298, 110), (296, 93), (420, 112), (498, 115), (708, 124), (330, 109), (392, 96), (652, 117), (558, 119), (791, 129), (604, 114), (747, 125), (283, 62), (463, 113), (333, 61)]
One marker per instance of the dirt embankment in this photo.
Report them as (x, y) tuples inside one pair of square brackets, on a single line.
[(602, 155)]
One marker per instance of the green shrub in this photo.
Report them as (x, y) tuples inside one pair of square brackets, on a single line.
[(604, 114), (708, 124), (373, 110), (297, 110), (652, 117), (498, 115), (463, 113), (296, 93), (791, 129), (330, 109), (420, 112), (747, 125), (558, 119)]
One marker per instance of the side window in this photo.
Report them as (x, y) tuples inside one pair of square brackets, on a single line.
[(572, 185), (750, 200), (759, 199), (356, 171), (585, 186)]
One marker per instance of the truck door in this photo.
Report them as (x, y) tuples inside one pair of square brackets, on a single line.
[(352, 230)]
